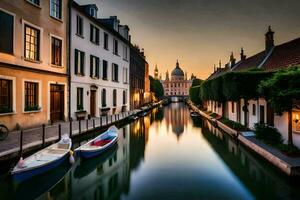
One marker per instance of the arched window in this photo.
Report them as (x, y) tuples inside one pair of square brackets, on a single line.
[(124, 97), (114, 97), (103, 98)]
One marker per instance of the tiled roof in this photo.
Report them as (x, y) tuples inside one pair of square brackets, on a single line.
[(251, 62), (284, 55), (219, 72)]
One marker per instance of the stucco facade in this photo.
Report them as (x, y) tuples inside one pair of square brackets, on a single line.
[(96, 84), (19, 69)]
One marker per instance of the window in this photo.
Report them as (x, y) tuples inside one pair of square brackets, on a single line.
[(106, 41), (55, 8), (232, 107), (79, 98), (5, 96), (103, 98), (31, 96), (93, 12), (56, 51), (7, 32), (124, 97), (116, 47), (35, 2), (125, 52), (94, 66), (253, 109), (94, 34), (79, 26), (104, 70), (125, 75), (79, 62), (32, 43), (114, 98), (115, 72)]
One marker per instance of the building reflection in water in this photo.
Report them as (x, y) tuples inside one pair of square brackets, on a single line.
[(176, 116), (256, 174)]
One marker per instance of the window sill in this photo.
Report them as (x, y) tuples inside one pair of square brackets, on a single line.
[(95, 77), (116, 54), (95, 43), (79, 75), (125, 60), (57, 66), (9, 113), (115, 81), (32, 111), (33, 61), (57, 19), (35, 5), (106, 49), (81, 36), (105, 79)]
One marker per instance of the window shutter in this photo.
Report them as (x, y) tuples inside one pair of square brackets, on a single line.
[(91, 32), (76, 61), (117, 73), (97, 36), (91, 66), (97, 68), (82, 63)]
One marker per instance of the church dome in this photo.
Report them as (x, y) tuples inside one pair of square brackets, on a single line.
[(177, 71)]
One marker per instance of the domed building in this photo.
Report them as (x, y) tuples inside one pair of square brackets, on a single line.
[(178, 85)]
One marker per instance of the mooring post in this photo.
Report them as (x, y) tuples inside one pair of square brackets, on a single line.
[(59, 131), (94, 124), (79, 126), (43, 131), (21, 143), (100, 121), (71, 128)]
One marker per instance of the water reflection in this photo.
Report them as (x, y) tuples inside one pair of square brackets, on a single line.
[(262, 180), (176, 117), (165, 155)]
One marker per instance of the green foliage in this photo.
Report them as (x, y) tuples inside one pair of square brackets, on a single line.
[(282, 89), (213, 90), (288, 149), (196, 82), (234, 125), (194, 93), (267, 134), (214, 115), (237, 85), (156, 87), (32, 108)]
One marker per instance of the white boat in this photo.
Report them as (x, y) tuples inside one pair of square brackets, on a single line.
[(42, 161), (99, 144)]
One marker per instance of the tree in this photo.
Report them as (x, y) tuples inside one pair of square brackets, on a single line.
[(196, 82), (194, 94), (283, 91), (156, 87)]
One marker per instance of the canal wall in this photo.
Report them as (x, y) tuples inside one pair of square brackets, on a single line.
[(24, 142), (288, 165)]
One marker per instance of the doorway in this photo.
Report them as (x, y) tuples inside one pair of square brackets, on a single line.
[(93, 103), (261, 114), (56, 102)]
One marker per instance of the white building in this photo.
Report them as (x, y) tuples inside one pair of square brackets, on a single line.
[(99, 63)]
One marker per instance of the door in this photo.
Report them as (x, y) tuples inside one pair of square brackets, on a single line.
[(270, 115), (56, 102), (93, 103), (261, 114)]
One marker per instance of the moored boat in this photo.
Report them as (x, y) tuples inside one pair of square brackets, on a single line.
[(43, 160), (194, 114), (99, 144)]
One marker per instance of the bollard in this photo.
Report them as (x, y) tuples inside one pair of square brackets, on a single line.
[(21, 143), (100, 121), (79, 126), (71, 128), (87, 124), (106, 119), (94, 124), (43, 130), (59, 131)]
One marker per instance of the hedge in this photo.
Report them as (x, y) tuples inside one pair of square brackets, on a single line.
[(194, 93)]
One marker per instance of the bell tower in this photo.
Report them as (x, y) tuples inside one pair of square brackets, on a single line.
[(156, 72)]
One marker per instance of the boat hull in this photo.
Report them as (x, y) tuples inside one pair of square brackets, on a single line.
[(22, 176), (90, 154)]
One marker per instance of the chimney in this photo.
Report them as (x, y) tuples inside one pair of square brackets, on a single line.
[(220, 64), (232, 60), (269, 39), (243, 56)]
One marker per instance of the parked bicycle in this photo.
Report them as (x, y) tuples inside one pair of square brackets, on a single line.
[(3, 132)]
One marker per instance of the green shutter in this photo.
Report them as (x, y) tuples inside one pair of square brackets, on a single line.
[(76, 61)]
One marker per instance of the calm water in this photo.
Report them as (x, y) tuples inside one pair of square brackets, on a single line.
[(165, 155)]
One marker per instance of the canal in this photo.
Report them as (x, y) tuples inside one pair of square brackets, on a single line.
[(164, 155)]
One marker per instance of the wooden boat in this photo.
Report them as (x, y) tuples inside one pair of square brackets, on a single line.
[(99, 144), (43, 160), (194, 114)]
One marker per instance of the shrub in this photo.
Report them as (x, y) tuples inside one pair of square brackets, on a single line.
[(194, 94), (235, 125), (267, 134)]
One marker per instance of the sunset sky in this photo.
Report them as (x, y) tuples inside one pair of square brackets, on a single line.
[(201, 32)]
